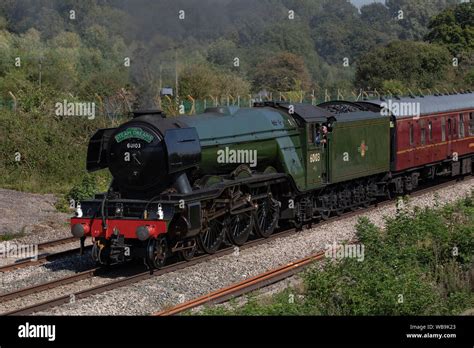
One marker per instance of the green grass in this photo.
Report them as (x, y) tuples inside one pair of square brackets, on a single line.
[(9, 236), (421, 263)]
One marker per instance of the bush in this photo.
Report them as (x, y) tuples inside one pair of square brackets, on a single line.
[(84, 189)]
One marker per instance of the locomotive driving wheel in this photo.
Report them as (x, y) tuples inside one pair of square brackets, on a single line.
[(240, 226), (212, 236), (188, 254), (157, 250), (267, 216)]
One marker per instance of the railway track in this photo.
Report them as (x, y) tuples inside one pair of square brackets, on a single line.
[(56, 242), (43, 258), (49, 285), (273, 277), (245, 286), (120, 282)]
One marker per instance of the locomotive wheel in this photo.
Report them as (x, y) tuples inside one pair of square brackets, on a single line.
[(188, 254), (95, 252), (267, 216), (157, 251), (239, 229), (212, 237), (325, 214)]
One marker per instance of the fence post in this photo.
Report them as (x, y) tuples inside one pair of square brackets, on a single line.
[(123, 94), (14, 100), (327, 97), (101, 104), (193, 106)]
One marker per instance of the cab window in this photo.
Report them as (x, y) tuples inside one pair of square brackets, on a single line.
[(310, 134), (314, 134)]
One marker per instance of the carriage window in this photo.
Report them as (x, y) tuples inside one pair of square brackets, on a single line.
[(443, 129), (449, 127), (461, 125), (411, 134), (455, 128), (423, 133), (430, 130), (471, 123)]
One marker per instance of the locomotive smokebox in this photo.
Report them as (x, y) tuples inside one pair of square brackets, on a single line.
[(146, 154)]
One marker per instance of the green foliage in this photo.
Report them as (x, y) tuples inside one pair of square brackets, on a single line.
[(84, 189), (470, 78), (393, 85), (51, 149), (420, 264), (416, 15), (282, 72), (9, 236), (83, 60), (454, 28), (414, 64), (202, 81)]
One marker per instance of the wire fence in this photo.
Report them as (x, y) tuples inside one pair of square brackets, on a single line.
[(191, 106), (120, 105)]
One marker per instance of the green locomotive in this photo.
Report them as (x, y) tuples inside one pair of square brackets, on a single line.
[(191, 183)]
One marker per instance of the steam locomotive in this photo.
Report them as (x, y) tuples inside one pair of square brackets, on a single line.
[(189, 184)]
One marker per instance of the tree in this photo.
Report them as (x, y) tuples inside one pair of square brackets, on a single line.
[(282, 72), (454, 28), (413, 64), (3, 23), (470, 78), (198, 81), (416, 15), (222, 52), (233, 85), (202, 80)]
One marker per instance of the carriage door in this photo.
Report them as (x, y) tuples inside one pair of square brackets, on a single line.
[(449, 137), (315, 156)]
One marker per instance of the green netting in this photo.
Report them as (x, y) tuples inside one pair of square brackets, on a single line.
[(6, 104)]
